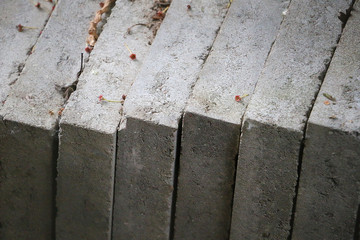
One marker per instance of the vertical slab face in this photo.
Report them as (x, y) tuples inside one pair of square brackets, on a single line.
[(86, 163), (206, 178), (153, 108), (79, 213), (211, 127), (26, 182), (15, 45), (29, 116), (265, 182), (144, 181), (274, 121), (328, 199)]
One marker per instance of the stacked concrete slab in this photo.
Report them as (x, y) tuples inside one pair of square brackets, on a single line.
[(88, 127), (28, 137), (329, 193), (148, 136), (212, 120), (274, 122)]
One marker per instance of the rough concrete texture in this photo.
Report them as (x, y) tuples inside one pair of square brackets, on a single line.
[(16, 45), (26, 182), (329, 192), (275, 118), (211, 127), (28, 132), (88, 127), (147, 138)]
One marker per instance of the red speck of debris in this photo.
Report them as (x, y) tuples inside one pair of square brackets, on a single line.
[(133, 56), (88, 50), (19, 27), (188, 7), (53, 7), (101, 4), (37, 5), (101, 97), (237, 98)]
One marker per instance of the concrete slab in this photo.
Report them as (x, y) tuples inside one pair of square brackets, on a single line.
[(148, 137), (16, 45), (28, 135), (328, 198), (88, 127), (275, 118), (212, 120)]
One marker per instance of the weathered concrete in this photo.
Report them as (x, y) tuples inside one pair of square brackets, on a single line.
[(28, 131), (329, 192), (211, 128), (275, 118), (88, 127), (16, 45), (148, 137)]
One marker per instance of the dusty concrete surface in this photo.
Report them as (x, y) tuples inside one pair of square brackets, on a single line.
[(211, 127), (147, 139), (86, 163), (275, 118), (28, 146), (16, 45), (328, 199), (26, 182)]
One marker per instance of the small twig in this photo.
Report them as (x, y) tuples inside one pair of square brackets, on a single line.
[(137, 24)]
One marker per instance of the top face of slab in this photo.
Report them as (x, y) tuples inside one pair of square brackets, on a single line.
[(293, 70), (174, 61), (110, 72), (16, 45), (342, 82), (236, 59), (34, 99)]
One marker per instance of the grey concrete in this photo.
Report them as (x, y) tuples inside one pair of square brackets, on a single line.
[(88, 127), (275, 118), (16, 45), (329, 193), (211, 127), (148, 135), (28, 131)]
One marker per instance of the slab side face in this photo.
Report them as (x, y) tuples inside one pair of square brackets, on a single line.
[(89, 170), (211, 127), (86, 163), (265, 182), (206, 178), (329, 193), (26, 186), (266, 178), (144, 181)]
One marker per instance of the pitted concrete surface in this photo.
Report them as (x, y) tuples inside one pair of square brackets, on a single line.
[(328, 199), (212, 119), (86, 169), (15, 45), (147, 139), (275, 119), (28, 131), (176, 148)]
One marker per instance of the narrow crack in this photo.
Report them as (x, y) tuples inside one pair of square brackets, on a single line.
[(175, 180), (357, 225), (343, 17)]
